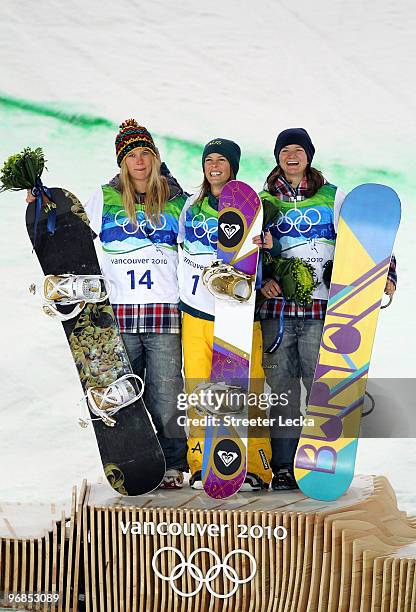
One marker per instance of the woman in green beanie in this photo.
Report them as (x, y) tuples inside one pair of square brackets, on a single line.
[(198, 234)]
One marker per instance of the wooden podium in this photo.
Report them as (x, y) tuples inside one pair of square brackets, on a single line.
[(183, 551)]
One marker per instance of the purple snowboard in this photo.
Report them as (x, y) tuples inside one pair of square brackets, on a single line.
[(224, 465)]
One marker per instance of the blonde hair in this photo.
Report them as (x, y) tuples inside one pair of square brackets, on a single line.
[(157, 192)]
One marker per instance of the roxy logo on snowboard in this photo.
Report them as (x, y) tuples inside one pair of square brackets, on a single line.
[(227, 457), (230, 229)]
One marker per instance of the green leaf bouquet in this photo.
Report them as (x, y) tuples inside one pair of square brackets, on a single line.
[(296, 277), (22, 170)]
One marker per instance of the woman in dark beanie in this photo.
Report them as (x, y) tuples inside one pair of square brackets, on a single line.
[(308, 209), (198, 234), (136, 217)]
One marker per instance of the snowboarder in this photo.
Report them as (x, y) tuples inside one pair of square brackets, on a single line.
[(198, 234), (308, 215), (136, 217)]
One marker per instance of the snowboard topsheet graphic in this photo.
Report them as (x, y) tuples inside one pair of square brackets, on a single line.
[(325, 458), (132, 458), (239, 220)]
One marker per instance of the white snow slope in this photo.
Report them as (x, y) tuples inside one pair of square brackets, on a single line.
[(191, 71)]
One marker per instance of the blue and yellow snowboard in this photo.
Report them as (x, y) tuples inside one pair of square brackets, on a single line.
[(325, 458)]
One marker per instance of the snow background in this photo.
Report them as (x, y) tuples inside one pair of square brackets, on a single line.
[(190, 71)]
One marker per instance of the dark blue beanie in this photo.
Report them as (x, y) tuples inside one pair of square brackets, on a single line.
[(294, 136), (228, 148)]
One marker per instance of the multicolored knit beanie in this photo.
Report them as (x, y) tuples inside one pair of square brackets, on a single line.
[(131, 136)]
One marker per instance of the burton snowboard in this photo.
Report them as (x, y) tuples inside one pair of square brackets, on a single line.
[(232, 281), (132, 458), (325, 457)]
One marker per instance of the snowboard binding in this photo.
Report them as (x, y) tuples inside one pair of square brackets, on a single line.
[(104, 402), (224, 281), (228, 399), (70, 289)]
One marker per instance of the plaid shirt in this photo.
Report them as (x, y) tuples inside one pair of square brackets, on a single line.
[(148, 318), (284, 190), (271, 309)]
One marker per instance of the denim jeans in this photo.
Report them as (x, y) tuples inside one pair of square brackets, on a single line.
[(294, 361), (157, 359)]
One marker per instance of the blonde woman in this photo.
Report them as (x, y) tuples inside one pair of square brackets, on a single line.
[(136, 217)]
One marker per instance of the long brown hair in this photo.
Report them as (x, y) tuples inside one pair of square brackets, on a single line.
[(205, 188), (315, 180), (157, 192)]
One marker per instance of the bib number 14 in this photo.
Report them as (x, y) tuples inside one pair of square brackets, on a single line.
[(145, 279)]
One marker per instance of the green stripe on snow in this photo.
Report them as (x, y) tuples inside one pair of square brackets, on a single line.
[(50, 110), (184, 155)]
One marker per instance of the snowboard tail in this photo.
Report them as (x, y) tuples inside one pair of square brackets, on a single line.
[(224, 462), (98, 350), (325, 457)]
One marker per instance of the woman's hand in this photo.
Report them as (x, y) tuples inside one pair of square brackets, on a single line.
[(266, 243), (30, 197), (271, 289), (390, 288)]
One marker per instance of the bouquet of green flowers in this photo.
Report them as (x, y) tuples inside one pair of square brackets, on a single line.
[(22, 170), (296, 277)]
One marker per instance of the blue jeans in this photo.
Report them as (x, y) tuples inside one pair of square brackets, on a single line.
[(157, 359), (293, 362)]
